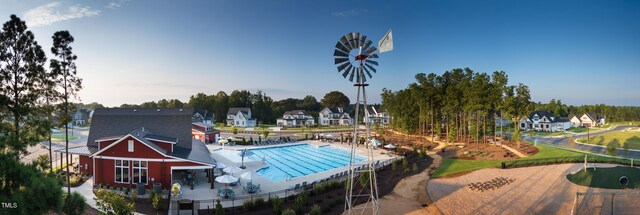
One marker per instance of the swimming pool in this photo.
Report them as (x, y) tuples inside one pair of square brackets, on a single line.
[(300, 160)]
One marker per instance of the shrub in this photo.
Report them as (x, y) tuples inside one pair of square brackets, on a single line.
[(315, 210), (134, 195), (405, 164), (415, 167), (288, 211), (219, 209), (364, 179), (112, 203), (259, 202), (320, 188), (394, 165), (152, 195), (156, 202), (248, 204), (73, 204), (276, 205), (420, 156)]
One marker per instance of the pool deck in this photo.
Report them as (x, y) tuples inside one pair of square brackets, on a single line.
[(202, 190)]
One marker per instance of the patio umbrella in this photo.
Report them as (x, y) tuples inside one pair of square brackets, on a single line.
[(390, 146), (243, 154), (374, 143), (220, 165), (232, 169), (226, 179), (247, 176)]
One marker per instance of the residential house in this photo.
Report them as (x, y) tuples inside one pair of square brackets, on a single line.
[(204, 132), (296, 118), (80, 117), (333, 117), (128, 146), (372, 116), (588, 119), (203, 116), (544, 121), (240, 117)]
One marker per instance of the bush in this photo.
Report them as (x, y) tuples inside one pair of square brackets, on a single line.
[(394, 165), (259, 202), (415, 167), (156, 201), (219, 209), (113, 203), (152, 195), (320, 188), (134, 195), (364, 179), (248, 204), (276, 205), (73, 204), (288, 211), (315, 210), (405, 164)]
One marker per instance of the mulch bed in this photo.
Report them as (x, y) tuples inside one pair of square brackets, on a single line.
[(332, 201), (407, 140), (144, 206), (525, 147), (478, 152)]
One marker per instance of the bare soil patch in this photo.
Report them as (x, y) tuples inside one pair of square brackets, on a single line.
[(525, 147), (477, 152)]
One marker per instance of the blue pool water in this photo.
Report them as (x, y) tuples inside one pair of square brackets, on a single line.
[(300, 160)]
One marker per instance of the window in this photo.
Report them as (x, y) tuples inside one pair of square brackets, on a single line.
[(140, 172), (130, 146), (122, 171)]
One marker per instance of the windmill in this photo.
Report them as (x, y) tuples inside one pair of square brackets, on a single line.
[(356, 65)]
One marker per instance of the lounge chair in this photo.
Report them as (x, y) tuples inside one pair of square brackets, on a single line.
[(304, 184), (297, 186)]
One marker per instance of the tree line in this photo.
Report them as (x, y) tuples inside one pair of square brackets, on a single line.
[(29, 95), (263, 107), (462, 104), (612, 113)]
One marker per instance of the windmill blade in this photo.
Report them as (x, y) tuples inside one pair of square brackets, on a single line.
[(367, 71), (340, 60), (370, 67), (342, 47), (344, 65), (373, 56), (372, 62), (345, 42), (356, 39), (340, 53), (346, 71), (370, 50), (367, 44), (351, 77), (363, 38), (350, 40)]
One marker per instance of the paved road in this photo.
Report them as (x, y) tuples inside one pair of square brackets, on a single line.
[(564, 142), (43, 147)]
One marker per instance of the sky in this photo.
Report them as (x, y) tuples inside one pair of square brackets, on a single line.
[(132, 51)]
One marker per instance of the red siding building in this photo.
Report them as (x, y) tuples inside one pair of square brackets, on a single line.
[(129, 146)]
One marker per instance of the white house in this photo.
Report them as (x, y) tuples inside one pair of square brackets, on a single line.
[(81, 117), (333, 117), (374, 117), (203, 116), (240, 117), (544, 121), (296, 118)]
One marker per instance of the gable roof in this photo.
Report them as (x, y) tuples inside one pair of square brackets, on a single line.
[(235, 110), (541, 114), (196, 152), (594, 116), (294, 112), (170, 122)]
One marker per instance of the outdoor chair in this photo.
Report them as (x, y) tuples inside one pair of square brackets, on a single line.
[(304, 184), (220, 192), (297, 186)]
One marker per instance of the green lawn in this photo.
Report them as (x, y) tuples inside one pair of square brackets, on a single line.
[(451, 166), (606, 177), (61, 137), (620, 138)]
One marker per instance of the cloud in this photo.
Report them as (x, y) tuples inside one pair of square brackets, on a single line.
[(116, 4), (49, 13), (353, 12)]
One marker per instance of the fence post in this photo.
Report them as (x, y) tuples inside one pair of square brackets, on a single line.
[(193, 207)]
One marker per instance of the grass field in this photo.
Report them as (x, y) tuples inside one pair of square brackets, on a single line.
[(620, 138), (451, 166), (61, 137), (606, 177)]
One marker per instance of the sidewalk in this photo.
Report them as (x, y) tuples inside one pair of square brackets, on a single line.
[(86, 190), (519, 154)]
